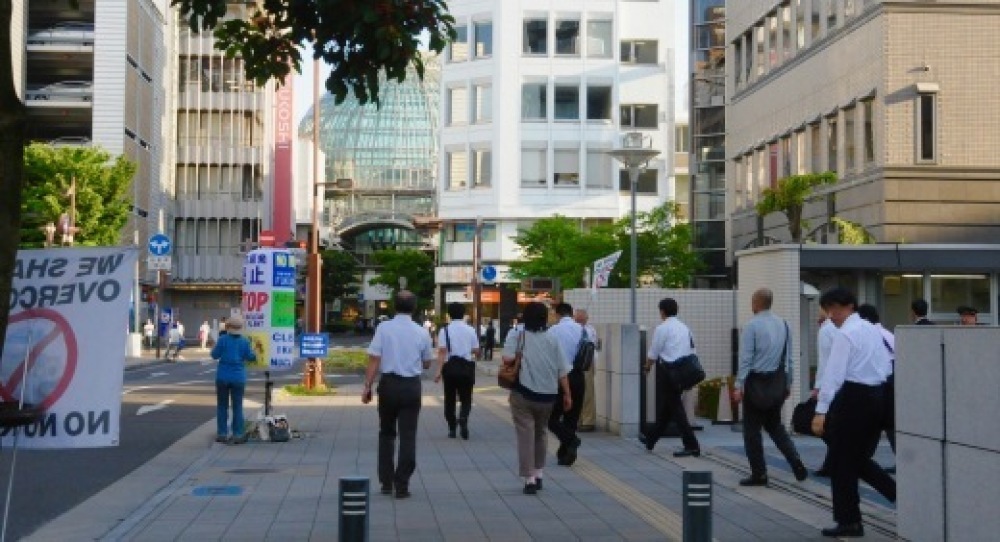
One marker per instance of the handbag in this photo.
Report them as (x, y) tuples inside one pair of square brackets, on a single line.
[(686, 372), (508, 374), (457, 367), (584, 359), (765, 391), (802, 416)]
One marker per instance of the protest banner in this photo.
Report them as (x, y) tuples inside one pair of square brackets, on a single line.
[(269, 306), (65, 343)]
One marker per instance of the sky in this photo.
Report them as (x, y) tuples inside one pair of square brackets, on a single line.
[(304, 82)]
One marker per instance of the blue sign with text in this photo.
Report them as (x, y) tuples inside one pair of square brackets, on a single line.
[(314, 345)]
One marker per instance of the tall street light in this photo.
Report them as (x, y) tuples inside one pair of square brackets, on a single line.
[(313, 375), (634, 155)]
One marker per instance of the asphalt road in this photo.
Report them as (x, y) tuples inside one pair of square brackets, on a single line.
[(161, 403)]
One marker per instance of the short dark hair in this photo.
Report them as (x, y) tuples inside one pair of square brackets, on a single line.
[(919, 307), (535, 315), (668, 306), (405, 302), (868, 312), (564, 309), (838, 296), (456, 311)]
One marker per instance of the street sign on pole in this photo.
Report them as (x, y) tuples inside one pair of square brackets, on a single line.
[(159, 245), (159, 263), (314, 345), (488, 274)]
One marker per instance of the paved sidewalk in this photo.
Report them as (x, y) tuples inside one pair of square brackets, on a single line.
[(462, 490)]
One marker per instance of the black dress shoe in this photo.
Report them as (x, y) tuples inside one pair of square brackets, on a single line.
[(463, 430), (387, 489), (844, 530), (569, 457), (647, 442), (402, 493), (530, 489), (800, 471), (822, 473), (538, 484), (451, 433), (687, 453), (754, 481)]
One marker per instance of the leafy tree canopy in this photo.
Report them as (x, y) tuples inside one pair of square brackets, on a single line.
[(357, 38), (102, 193), (663, 246), (341, 274), (558, 247), (416, 266), (790, 195)]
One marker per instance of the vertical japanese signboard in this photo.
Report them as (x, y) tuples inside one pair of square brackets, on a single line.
[(269, 306)]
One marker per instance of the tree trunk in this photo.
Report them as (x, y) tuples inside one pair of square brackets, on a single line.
[(794, 215), (12, 127)]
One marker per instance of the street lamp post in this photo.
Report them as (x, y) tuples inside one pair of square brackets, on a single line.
[(313, 375), (634, 155)]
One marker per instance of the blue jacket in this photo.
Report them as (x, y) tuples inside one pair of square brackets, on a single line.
[(232, 351)]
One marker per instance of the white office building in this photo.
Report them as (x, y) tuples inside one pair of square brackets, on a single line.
[(533, 96)]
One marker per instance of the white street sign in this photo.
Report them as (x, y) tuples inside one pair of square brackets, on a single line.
[(158, 263)]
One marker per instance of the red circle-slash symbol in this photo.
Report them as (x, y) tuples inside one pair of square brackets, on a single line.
[(61, 330)]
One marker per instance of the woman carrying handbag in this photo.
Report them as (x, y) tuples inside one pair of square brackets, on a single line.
[(540, 371)]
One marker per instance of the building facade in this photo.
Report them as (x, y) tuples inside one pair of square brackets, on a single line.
[(888, 95), (708, 140), (95, 74), (533, 97), (222, 153)]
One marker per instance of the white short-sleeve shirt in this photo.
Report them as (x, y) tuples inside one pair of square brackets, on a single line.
[(403, 346), (463, 339), (671, 340)]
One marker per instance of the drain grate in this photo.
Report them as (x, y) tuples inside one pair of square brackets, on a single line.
[(217, 491)]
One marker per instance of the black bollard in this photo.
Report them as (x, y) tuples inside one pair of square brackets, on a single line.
[(353, 509), (697, 506), (268, 386)]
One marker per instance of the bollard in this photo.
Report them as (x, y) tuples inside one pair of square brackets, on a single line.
[(697, 506), (353, 509), (268, 389)]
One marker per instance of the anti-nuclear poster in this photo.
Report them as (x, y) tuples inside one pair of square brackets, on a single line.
[(65, 344), (269, 306)]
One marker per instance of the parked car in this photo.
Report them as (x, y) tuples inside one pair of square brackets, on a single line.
[(63, 90), (70, 32)]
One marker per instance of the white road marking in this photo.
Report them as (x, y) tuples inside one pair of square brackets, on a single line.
[(156, 375), (137, 388), (146, 409), (210, 371)]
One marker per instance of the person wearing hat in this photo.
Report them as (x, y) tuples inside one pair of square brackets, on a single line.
[(232, 350), (967, 316)]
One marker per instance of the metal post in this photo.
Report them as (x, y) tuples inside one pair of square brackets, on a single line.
[(697, 506), (353, 506), (313, 374), (477, 287), (268, 387), (159, 306), (633, 173)]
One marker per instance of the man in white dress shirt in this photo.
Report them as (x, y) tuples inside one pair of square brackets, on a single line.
[(399, 351), (588, 411), (563, 423), (849, 411), (457, 344)]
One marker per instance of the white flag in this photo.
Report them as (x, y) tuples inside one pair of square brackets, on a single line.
[(602, 269)]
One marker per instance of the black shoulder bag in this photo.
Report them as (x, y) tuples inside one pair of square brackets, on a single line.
[(584, 359), (765, 391), (686, 371), (457, 367)]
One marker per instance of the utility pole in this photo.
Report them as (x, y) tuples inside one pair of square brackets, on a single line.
[(477, 287), (313, 375)]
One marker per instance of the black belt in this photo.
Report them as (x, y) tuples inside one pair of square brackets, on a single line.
[(394, 376)]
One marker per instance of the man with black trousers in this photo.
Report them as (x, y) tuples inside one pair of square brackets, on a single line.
[(672, 340), (457, 343), (850, 409), (563, 423), (399, 351), (765, 353)]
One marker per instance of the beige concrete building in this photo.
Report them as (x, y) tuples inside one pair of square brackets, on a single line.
[(896, 97)]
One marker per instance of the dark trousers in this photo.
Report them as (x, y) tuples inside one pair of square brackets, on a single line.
[(398, 409), (853, 426), (563, 423), (770, 420), (671, 409), (889, 423), (460, 388)]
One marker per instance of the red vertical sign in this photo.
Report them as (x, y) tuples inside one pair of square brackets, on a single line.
[(281, 213)]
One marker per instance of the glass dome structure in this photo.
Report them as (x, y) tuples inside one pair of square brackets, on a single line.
[(389, 154)]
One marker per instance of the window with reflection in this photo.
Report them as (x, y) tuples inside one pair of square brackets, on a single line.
[(536, 34), (481, 168), (816, 19), (459, 50), (787, 31), (639, 116), (483, 100), (566, 168), (800, 24), (868, 110), (949, 292), (599, 39), (484, 39), (567, 102), (598, 169), (458, 106), (831, 143), (815, 148), (598, 102), (568, 37), (534, 101), (639, 51), (645, 185), (849, 143), (926, 127), (533, 170), (458, 169)]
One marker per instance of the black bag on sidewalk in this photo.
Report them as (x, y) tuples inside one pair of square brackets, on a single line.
[(765, 391), (457, 367)]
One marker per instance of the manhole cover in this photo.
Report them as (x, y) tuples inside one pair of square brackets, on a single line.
[(252, 471), (217, 491)]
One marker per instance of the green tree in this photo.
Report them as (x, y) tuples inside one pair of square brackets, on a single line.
[(663, 247), (102, 193), (790, 196), (413, 265), (359, 39), (852, 233), (341, 274), (559, 247)]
